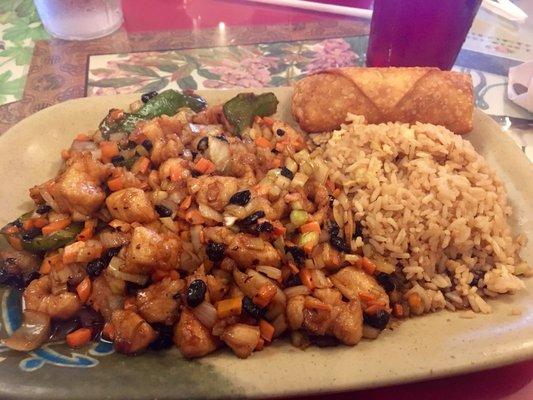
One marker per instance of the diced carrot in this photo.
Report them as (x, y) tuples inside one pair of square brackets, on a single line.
[(65, 154), (137, 136), (313, 303), (368, 266), (70, 253), (306, 278), (374, 308), (40, 222), (266, 330), (268, 121), (229, 307), (84, 289), (194, 217), (109, 150), (367, 297), (336, 192), (173, 274), (108, 331), (141, 165), (186, 203), (414, 300), (28, 224), (260, 344), (82, 137), (88, 230), (276, 162), (79, 337), (278, 228), (312, 226), (204, 166), (56, 226), (265, 294), (176, 173), (330, 185), (397, 310), (115, 184), (15, 242), (263, 142), (129, 303), (11, 230), (308, 247)]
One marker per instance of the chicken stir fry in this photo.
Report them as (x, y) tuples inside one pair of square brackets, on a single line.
[(199, 228)]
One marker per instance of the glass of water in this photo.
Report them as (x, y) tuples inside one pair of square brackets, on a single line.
[(80, 19)]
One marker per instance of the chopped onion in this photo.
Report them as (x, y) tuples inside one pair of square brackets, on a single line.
[(169, 223), (83, 145), (49, 200), (291, 165), (177, 197), (309, 238), (320, 172), (218, 152), (206, 314), (302, 156), (299, 180), (196, 231), (319, 279), (114, 269), (229, 220), (33, 332), (209, 213), (282, 182), (296, 291), (280, 325), (271, 272), (114, 239)]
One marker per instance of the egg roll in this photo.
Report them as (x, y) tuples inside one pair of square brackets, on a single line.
[(321, 101)]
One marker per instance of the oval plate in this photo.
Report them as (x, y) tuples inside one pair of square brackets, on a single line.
[(427, 347)]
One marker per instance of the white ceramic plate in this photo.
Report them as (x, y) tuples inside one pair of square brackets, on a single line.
[(421, 348)]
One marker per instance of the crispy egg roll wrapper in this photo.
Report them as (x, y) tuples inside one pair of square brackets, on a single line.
[(321, 101)]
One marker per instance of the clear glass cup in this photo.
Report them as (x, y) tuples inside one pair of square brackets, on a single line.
[(80, 19), (419, 33)]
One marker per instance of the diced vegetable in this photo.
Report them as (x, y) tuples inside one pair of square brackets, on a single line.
[(241, 110), (56, 226), (228, 307), (53, 241), (312, 226), (266, 330), (298, 217), (79, 337), (84, 289)]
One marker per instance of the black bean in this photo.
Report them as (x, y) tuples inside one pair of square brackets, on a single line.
[(94, 268), (117, 160), (110, 253), (475, 281), (265, 227), (252, 309), (43, 209), (293, 281), (31, 234), (132, 288), (147, 96), (130, 145), (203, 144), (274, 151), (280, 132), (250, 219), (241, 198), (386, 281), (324, 341), (358, 230), (147, 144), (196, 293), (297, 254), (195, 174), (339, 244), (215, 251), (287, 173), (164, 337), (163, 211), (17, 223), (378, 320), (333, 228), (30, 277), (223, 138)]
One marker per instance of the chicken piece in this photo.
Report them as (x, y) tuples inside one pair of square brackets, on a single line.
[(348, 323), (157, 303), (352, 282), (295, 310), (149, 249), (317, 316), (192, 338), (131, 205), (77, 190), (103, 299), (245, 249), (328, 295), (272, 211), (131, 333), (38, 296), (165, 145), (214, 191), (242, 339)]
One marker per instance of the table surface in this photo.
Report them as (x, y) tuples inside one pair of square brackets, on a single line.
[(222, 43)]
